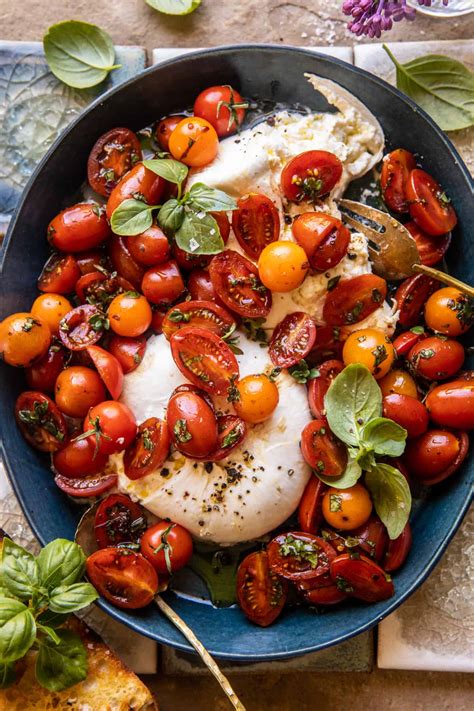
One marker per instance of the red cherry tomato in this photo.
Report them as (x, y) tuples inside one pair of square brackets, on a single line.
[(93, 260), (200, 287), (124, 263), (321, 450), (139, 181), (124, 578), (192, 424), (118, 519), (436, 455), (223, 107), (324, 239), (396, 168), (436, 358), (167, 546), (163, 284), (149, 450), (86, 487), (128, 351), (318, 386), (431, 249), (42, 375), (100, 289), (256, 223), (361, 578), (78, 459), (329, 344), (203, 314), (309, 510), (352, 300), (452, 404), (109, 369), (150, 247), (236, 282), (59, 275), (408, 412), (371, 538), (112, 155), (81, 327), (406, 340), (327, 595), (411, 297), (429, 205), (299, 556), (231, 432), (310, 175), (164, 130), (292, 339), (40, 422), (398, 550), (82, 226), (111, 425), (260, 592)]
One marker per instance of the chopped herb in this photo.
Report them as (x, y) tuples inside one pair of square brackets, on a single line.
[(380, 354), (343, 585), (181, 431), (426, 353), (233, 393), (301, 550), (417, 329), (377, 296), (274, 373), (231, 437), (353, 316), (253, 329), (301, 372), (29, 323), (176, 316), (332, 283), (335, 502), (146, 439)]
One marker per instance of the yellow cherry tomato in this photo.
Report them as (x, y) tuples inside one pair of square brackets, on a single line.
[(449, 311), (51, 308), (398, 382), (282, 266), (129, 314), (194, 142), (24, 338), (345, 509), (256, 398), (370, 347)]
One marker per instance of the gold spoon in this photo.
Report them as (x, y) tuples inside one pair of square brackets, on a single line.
[(393, 251)]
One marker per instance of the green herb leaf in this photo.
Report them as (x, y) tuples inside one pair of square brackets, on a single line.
[(49, 631), (79, 54), (171, 216), (350, 477), (174, 7), (18, 570), (301, 372), (69, 598), (299, 549), (61, 562), (62, 665), (391, 496), (51, 619), (7, 674), (201, 197), (132, 217), (385, 437), (171, 170), (17, 629), (442, 86), (199, 234)]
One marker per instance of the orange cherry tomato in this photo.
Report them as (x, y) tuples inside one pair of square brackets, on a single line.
[(77, 389), (112, 155), (164, 130), (24, 339), (345, 509), (398, 382), (449, 311), (352, 300), (194, 142), (129, 314), (396, 168), (257, 398), (324, 239), (370, 347), (79, 227), (282, 266), (123, 577), (51, 308)]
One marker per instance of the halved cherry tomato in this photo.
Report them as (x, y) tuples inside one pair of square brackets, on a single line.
[(398, 550), (100, 289), (50, 309), (323, 237), (78, 389), (436, 455), (431, 249), (299, 556), (203, 314), (429, 205), (188, 261), (42, 375), (79, 227), (128, 351), (124, 578), (396, 168), (204, 359), (150, 247), (201, 288), (310, 512), (310, 175), (318, 386), (124, 263), (139, 183), (260, 592), (93, 260), (398, 382), (111, 425), (406, 340), (452, 404), (86, 487), (345, 509), (112, 155), (167, 546), (109, 369), (327, 595), (129, 314), (436, 358), (59, 275), (352, 300), (256, 223), (328, 345), (78, 459), (408, 412), (194, 142), (192, 424), (24, 339), (411, 297), (321, 450), (82, 327), (118, 519), (256, 398), (164, 130), (40, 422), (370, 347), (223, 107), (163, 284), (292, 339), (231, 432), (236, 282), (282, 266), (371, 538), (449, 311), (149, 450), (361, 578)]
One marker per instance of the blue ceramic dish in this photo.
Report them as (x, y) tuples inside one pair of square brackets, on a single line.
[(274, 74)]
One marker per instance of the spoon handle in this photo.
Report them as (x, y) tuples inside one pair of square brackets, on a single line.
[(444, 278), (201, 650)]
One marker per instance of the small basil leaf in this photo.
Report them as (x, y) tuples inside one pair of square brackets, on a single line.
[(174, 7), (19, 570), (131, 217), (17, 629), (391, 496), (350, 477), (61, 562), (365, 458), (201, 197), (50, 632), (199, 234), (51, 619), (171, 216), (385, 437), (171, 170), (69, 598), (61, 665), (7, 674)]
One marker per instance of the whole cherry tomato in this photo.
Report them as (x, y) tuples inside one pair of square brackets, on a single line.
[(237, 283), (411, 297), (128, 351), (346, 509), (42, 375), (452, 404), (123, 577), (430, 207), (436, 455), (292, 339), (40, 422), (79, 227), (372, 348), (396, 168), (111, 425), (139, 181), (406, 340), (108, 368), (310, 175), (129, 314), (449, 311), (318, 386), (112, 155), (256, 223), (59, 275), (77, 390), (24, 339), (164, 130), (201, 288), (150, 247), (371, 538), (256, 398), (194, 142), (408, 412), (436, 358), (78, 459), (203, 314), (310, 514), (149, 450), (352, 300), (223, 107), (167, 546), (282, 266), (398, 550), (324, 239), (361, 578), (50, 309), (398, 382), (260, 592), (299, 556), (82, 327), (192, 424), (431, 249), (124, 263), (93, 260), (118, 519), (321, 450), (163, 284)]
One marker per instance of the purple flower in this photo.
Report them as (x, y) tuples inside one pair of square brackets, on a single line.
[(372, 17)]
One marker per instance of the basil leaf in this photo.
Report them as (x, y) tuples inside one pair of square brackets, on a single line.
[(50, 632), (79, 54), (18, 570), (17, 629), (350, 477), (442, 86), (69, 598), (199, 234), (171, 170), (131, 217), (385, 437), (201, 197), (51, 619), (59, 666), (61, 562), (391, 496), (171, 216), (353, 399), (7, 674), (174, 7)]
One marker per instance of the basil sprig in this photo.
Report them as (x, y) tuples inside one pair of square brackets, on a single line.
[(37, 594), (185, 218), (353, 406)]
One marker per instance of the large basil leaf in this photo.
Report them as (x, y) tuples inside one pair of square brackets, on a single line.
[(350, 477), (385, 437), (174, 7), (171, 216), (78, 53), (353, 399), (199, 234), (7, 674), (61, 562), (442, 86), (17, 629), (171, 170), (132, 217), (69, 598), (201, 197), (59, 666), (391, 496), (18, 570)]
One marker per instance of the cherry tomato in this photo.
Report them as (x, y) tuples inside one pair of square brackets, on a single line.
[(124, 578), (436, 358), (321, 450), (167, 546), (100, 289), (124, 263), (109, 369), (318, 386), (256, 398), (92, 260), (256, 223), (150, 247), (149, 450), (237, 283), (42, 375), (328, 345), (112, 155), (40, 421), (203, 314), (449, 311), (398, 550), (129, 314), (406, 340), (310, 513), (231, 432), (411, 296), (429, 205), (436, 455), (292, 339), (327, 595), (77, 390), (371, 538), (24, 339), (361, 578), (282, 266), (352, 300), (78, 460), (396, 168), (164, 130), (82, 327), (299, 556), (310, 175), (50, 309), (86, 487), (452, 404), (370, 347), (59, 275), (139, 183), (111, 425), (194, 142), (398, 382), (192, 424), (223, 107), (408, 412), (128, 351), (201, 288), (163, 284), (324, 239), (346, 509), (431, 249), (260, 592), (118, 519), (79, 227)]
